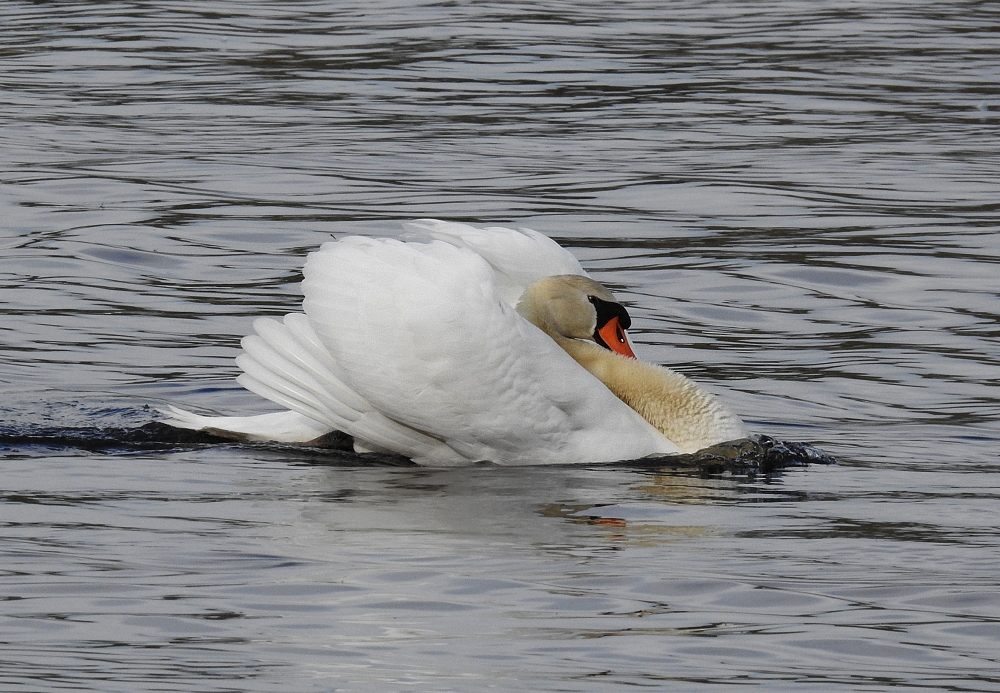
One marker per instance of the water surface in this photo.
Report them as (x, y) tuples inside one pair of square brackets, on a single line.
[(797, 201)]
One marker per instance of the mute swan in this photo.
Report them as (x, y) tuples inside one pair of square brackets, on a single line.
[(462, 345)]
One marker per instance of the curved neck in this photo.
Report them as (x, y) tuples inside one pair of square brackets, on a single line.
[(684, 413)]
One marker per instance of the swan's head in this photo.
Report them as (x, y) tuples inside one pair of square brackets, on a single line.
[(576, 307)]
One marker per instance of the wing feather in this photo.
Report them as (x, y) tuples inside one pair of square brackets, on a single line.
[(520, 257), (422, 333), (415, 348), (279, 367)]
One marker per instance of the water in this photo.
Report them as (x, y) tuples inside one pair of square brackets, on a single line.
[(798, 202)]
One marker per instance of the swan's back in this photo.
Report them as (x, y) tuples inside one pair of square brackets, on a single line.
[(421, 332), (415, 348)]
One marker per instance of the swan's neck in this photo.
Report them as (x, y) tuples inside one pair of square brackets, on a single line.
[(684, 413)]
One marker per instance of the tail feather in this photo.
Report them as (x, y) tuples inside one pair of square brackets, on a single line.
[(282, 426)]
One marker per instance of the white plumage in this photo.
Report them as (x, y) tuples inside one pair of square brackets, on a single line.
[(416, 348)]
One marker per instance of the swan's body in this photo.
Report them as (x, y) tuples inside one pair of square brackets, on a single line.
[(417, 348)]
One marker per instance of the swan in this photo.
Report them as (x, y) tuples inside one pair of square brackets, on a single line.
[(460, 344)]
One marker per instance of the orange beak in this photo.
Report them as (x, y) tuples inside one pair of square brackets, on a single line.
[(615, 338)]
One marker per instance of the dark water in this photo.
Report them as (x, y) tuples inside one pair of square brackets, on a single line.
[(798, 201)]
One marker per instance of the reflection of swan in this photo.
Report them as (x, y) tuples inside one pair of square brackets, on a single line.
[(417, 348)]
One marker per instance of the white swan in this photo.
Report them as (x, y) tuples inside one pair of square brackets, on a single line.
[(464, 345)]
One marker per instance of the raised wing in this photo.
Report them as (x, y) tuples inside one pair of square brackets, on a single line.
[(519, 257), (421, 333)]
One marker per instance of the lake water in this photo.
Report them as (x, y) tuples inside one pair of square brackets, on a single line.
[(799, 202)]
